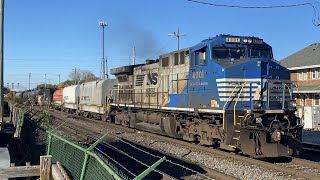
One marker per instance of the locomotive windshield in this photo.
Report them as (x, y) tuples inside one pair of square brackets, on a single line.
[(228, 53), (260, 53)]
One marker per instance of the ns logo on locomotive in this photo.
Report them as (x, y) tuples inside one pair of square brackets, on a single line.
[(226, 91)]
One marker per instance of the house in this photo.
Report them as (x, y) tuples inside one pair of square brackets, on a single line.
[(305, 73)]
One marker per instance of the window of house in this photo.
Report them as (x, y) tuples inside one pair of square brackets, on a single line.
[(316, 100), (303, 99), (300, 75), (305, 75), (314, 73)]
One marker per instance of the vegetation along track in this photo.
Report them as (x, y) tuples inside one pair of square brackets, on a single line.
[(234, 165)]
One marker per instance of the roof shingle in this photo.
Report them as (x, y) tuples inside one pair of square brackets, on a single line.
[(306, 57)]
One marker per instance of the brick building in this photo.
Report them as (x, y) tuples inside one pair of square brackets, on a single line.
[(305, 73)]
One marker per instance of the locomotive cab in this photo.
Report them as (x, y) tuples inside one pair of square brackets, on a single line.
[(254, 92)]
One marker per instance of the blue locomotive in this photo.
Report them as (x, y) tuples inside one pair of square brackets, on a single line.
[(226, 91)]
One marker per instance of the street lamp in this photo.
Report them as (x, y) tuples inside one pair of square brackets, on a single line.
[(177, 35), (102, 71)]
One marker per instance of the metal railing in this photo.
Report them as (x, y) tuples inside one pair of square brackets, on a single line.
[(225, 104), (235, 104), (268, 91)]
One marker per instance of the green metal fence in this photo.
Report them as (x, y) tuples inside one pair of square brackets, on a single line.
[(80, 162)]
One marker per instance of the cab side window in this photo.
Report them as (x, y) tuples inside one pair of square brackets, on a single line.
[(200, 57)]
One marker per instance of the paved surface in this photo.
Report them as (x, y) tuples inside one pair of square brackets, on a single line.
[(4, 159)]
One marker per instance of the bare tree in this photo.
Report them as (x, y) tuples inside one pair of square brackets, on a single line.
[(87, 76), (79, 76), (75, 75)]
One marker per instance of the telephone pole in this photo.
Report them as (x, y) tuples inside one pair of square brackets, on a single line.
[(59, 78), (75, 76), (103, 71), (1, 61), (107, 72), (29, 80), (134, 55), (45, 80), (177, 35)]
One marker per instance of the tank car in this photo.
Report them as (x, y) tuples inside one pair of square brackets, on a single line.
[(226, 91)]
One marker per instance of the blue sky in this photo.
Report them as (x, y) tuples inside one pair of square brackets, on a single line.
[(53, 37)]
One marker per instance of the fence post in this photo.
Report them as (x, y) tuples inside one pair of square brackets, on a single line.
[(84, 166), (50, 136), (151, 168), (49, 144), (45, 167)]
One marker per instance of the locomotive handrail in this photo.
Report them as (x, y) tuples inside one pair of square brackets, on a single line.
[(227, 103), (235, 104)]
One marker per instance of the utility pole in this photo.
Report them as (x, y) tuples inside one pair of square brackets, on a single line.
[(129, 60), (75, 76), (29, 80), (177, 35), (1, 61), (45, 80), (59, 78), (107, 72), (134, 55), (103, 72)]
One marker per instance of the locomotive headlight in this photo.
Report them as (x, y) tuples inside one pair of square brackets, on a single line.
[(245, 40), (257, 104), (292, 104), (249, 40)]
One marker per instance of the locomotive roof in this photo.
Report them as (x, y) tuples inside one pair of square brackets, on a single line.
[(172, 52)]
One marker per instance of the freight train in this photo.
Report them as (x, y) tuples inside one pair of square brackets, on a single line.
[(225, 92)]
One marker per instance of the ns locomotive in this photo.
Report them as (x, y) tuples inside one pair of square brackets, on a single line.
[(226, 91)]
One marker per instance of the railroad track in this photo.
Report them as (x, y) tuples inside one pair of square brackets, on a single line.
[(294, 168), (171, 168)]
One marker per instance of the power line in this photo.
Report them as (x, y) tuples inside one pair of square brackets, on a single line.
[(249, 7), (315, 18)]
